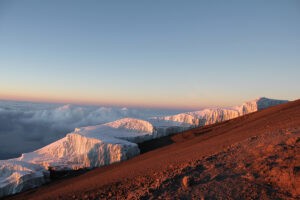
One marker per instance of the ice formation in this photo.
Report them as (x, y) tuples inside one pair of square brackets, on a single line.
[(215, 115), (17, 176)]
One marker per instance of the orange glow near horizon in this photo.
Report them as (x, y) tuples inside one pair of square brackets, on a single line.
[(166, 102)]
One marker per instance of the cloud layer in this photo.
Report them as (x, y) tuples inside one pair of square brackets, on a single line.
[(25, 127)]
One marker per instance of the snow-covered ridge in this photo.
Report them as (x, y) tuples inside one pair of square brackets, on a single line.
[(104, 144), (214, 115), (131, 124), (129, 129)]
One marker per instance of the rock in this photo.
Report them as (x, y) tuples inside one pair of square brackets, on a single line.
[(186, 181)]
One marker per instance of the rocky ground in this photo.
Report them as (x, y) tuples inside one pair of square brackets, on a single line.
[(261, 167)]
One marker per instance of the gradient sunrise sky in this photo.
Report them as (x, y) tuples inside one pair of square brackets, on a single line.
[(149, 53)]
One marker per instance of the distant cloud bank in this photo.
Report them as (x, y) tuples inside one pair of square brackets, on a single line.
[(26, 126)]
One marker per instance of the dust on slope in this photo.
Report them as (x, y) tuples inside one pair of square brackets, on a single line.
[(261, 167)]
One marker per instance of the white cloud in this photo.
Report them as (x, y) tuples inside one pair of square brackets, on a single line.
[(25, 127)]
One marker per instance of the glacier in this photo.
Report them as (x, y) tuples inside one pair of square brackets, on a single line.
[(94, 146), (104, 144), (17, 176), (85, 147), (214, 115)]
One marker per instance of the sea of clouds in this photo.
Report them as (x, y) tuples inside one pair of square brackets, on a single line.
[(26, 126)]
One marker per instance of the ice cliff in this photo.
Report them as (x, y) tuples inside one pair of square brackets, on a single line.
[(17, 176), (215, 115), (94, 146)]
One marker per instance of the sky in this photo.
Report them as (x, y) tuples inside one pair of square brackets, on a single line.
[(171, 54)]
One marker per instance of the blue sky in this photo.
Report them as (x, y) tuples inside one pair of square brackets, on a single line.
[(149, 53)]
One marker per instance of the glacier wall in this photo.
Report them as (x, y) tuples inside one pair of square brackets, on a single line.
[(17, 176), (215, 115)]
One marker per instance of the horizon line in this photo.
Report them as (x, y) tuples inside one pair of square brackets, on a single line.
[(86, 103)]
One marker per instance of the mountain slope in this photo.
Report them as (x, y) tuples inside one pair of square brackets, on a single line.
[(204, 151)]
